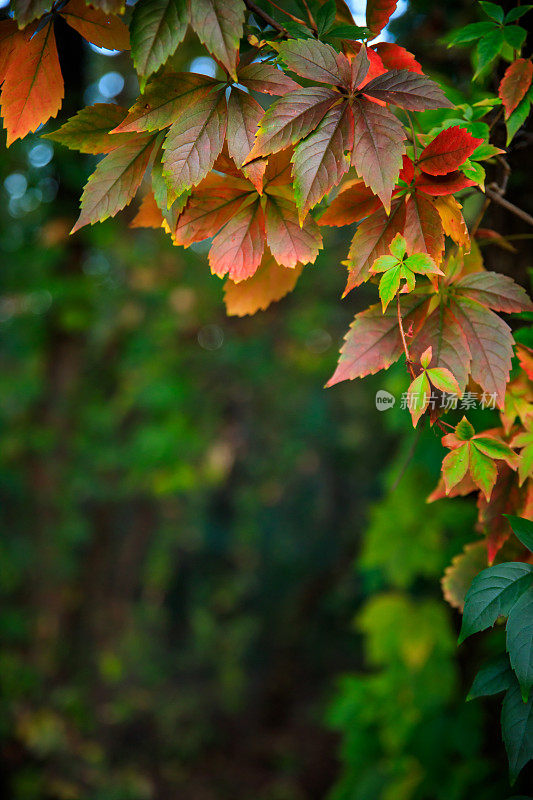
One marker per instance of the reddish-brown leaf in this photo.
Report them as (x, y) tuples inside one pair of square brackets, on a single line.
[(289, 243), (219, 25), (378, 13), (447, 151), (266, 78), (440, 185), (495, 291), (270, 283), (166, 99), (33, 85), (149, 214), (238, 248), (89, 130), (490, 342), (95, 26), (407, 90), (353, 202), (216, 200), (515, 83), (423, 227), (441, 331), (320, 159), (312, 59), (194, 141), (372, 239), (378, 147), (506, 498), (244, 115), (115, 180), (395, 57), (9, 35), (374, 341), (291, 118)]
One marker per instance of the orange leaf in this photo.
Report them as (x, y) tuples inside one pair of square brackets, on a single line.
[(237, 250), (453, 222), (149, 214), (515, 83), (423, 228), (353, 202), (378, 13), (289, 242), (395, 57), (270, 283), (96, 26), (8, 37), (33, 86)]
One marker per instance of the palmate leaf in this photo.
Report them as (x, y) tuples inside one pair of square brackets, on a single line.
[(194, 141), (166, 99), (261, 77), (291, 118), (407, 90), (320, 159), (353, 202), (313, 60), (89, 130), (520, 640), (423, 228), (219, 25), (495, 291), (378, 147), (374, 341), (244, 115), (372, 240), (33, 87), (447, 151), (490, 342), (492, 594), (157, 27), (115, 180), (238, 248), (96, 26), (269, 284), (517, 729), (289, 243)]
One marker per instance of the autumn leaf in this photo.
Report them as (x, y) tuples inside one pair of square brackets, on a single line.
[(219, 25), (89, 130), (33, 85), (25, 11), (515, 84), (459, 575), (10, 36), (215, 201), (313, 60), (407, 90), (320, 159), (395, 57), (266, 78), (289, 243), (97, 27), (149, 214), (237, 250), (423, 228), (495, 291), (194, 142), (441, 331), (353, 202), (440, 185), (156, 29), (244, 115), (378, 13), (452, 220), (115, 180), (269, 284)]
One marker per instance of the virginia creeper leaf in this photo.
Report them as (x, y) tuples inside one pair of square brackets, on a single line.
[(244, 115), (96, 26), (517, 729), (371, 240), (423, 228), (26, 11), (378, 13), (89, 130), (441, 331), (219, 25), (311, 59), (495, 291), (156, 28), (515, 84), (266, 78), (289, 243), (149, 214), (269, 284), (237, 250), (492, 678), (353, 202), (395, 57), (407, 90), (447, 151), (520, 641)]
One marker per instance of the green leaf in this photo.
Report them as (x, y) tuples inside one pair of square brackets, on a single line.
[(157, 27), (493, 448), (517, 729), (389, 285), (520, 640), (422, 264), (443, 380), (494, 677), (219, 25), (483, 470), (492, 594), (455, 466), (469, 33), (516, 13), (488, 48), (310, 59), (464, 430), (325, 17), (484, 151), (522, 529), (353, 32), (518, 117), (492, 10), (515, 36), (89, 130), (419, 392), (474, 171), (398, 246)]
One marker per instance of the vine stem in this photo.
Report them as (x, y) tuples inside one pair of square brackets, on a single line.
[(287, 13), (415, 150), (497, 198), (404, 341), (251, 6)]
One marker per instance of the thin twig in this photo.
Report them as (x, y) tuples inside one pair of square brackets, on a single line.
[(287, 13), (314, 26), (415, 152), (404, 341), (251, 6), (497, 198)]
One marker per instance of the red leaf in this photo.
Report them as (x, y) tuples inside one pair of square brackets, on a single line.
[(193, 143), (237, 250), (407, 90), (312, 59), (291, 118), (395, 57), (95, 26), (374, 341), (372, 239), (9, 35), (33, 86), (149, 214), (423, 227), (378, 13), (216, 200), (219, 25), (266, 78), (495, 291), (320, 159), (270, 283), (441, 331), (378, 147), (353, 202), (440, 185), (244, 115), (289, 243), (515, 83), (490, 342), (447, 151), (115, 180), (407, 172), (506, 498)]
